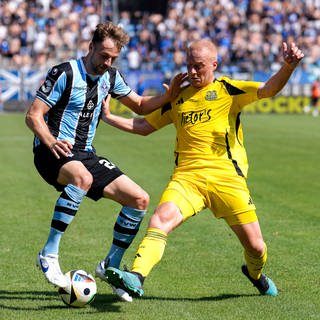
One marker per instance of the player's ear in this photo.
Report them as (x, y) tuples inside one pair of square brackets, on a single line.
[(215, 64)]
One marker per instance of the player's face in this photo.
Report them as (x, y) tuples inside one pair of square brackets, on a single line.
[(101, 56), (201, 66)]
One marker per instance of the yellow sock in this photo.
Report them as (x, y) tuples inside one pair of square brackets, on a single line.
[(255, 264), (150, 251)]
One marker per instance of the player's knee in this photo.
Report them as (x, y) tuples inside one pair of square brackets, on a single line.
[(166, 218), (142, 200), (257, 248), (83, 181), (157, 221)]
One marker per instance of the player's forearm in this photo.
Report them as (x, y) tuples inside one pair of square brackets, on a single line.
[(125, 124), (146, 104), (276, 82), (142, 105), (40, 129), (132, 125), (292, 55), (151, 103)]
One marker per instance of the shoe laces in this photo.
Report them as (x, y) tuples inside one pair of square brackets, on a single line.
[(54, 263)]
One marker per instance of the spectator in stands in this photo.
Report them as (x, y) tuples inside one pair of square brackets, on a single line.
[(315, 96), (314, 100), (248, 33)]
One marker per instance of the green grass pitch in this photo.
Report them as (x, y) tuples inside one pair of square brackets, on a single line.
[(199, 276)]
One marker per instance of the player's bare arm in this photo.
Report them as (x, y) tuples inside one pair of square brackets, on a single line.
[(35, 121), (146, 104), (132, 125), (292, 55)]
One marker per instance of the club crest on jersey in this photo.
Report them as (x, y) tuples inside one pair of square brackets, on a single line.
[(105, 88), (211, 95)]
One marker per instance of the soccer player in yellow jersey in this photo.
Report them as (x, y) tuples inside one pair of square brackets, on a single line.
[(210, 163)]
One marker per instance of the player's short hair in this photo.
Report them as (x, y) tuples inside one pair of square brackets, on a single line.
[(204, 44), (108, 30)]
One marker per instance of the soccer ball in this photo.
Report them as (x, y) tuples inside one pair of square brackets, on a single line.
[(81, 289)]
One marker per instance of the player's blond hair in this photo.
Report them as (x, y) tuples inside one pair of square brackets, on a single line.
[(203, 45)]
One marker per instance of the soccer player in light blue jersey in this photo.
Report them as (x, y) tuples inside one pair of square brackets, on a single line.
[(64, 117)]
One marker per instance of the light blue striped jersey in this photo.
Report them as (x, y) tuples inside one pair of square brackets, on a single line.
[(74, 98)]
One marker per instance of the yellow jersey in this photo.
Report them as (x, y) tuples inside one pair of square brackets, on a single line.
[(207, 122)]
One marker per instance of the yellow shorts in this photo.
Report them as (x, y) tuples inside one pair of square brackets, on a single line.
[(224, 192)]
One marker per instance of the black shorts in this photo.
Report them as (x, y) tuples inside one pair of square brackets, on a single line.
[(314, 101), (102, 170)]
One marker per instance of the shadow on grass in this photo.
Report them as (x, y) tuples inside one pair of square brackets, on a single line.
[(209, 298), (18, 301), (50, 300)]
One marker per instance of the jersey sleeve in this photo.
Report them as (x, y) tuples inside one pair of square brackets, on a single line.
[(160, 117), (243, 92), (119, 87), (54, 84)]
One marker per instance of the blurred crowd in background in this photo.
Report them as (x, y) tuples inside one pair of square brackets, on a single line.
[(249, 34)]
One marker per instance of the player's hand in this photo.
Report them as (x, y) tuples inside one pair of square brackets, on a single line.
[(291, 54), (106, 106), (173, 90), (61, 148)]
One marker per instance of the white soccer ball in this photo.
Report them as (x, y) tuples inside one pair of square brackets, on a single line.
[(81, 289)]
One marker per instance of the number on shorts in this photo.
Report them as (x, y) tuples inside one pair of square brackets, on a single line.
[(107, 163)]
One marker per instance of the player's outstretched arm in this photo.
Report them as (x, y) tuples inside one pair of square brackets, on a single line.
[(146, 104), (132, 125), (292, 55)]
